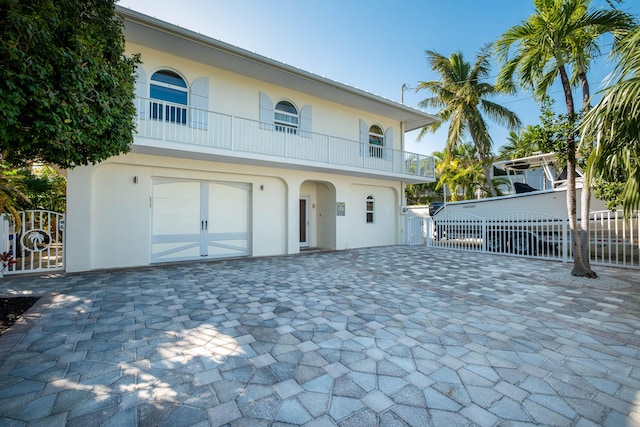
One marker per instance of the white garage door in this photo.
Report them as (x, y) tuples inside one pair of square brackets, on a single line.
[(193, 219)]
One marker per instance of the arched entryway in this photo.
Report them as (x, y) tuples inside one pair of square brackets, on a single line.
[(317, 215)]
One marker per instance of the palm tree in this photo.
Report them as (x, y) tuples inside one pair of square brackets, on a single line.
[(12, 196), (462, 95), (519, 144), (614, 124), (559, 37), (461, 173), (585, 48)]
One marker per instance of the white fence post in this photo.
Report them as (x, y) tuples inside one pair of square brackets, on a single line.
[(566, 236), (484, 235)]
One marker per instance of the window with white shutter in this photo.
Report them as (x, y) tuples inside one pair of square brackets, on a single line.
[(200, 103)]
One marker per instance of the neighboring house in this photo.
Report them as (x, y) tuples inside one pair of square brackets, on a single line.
[(236, 155)]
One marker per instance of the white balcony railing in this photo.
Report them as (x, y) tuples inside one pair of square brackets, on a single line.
[(237, 134)]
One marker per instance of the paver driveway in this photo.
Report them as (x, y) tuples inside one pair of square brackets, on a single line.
[(382, 336)]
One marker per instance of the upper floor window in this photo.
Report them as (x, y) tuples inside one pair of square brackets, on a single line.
[(286, 117), (169, 87), (376, 141), (369, 209)]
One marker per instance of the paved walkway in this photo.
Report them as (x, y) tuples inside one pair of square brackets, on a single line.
[(386, 336)]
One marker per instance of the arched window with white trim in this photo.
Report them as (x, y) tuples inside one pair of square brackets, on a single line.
[(170, 93), (286, 117), (376, 141), (370, 209)]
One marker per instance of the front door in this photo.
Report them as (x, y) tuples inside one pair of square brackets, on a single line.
[(304, 222), (193, 219)]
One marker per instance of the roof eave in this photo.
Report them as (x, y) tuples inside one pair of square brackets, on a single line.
[(139, 27)]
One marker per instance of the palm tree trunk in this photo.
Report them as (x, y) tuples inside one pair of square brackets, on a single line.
[(487, 177), (579, 268), (485, 168), (585, 232), (585, 240)]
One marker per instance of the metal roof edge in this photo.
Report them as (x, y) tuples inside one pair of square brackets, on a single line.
[(418, 118)]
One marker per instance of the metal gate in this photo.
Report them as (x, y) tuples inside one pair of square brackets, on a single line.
[(33, 244)]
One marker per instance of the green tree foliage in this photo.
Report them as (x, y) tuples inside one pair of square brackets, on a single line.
[(614, 124), (45, 188), (462, 93), (558, 41), (24, 189), (462, 174), (12, 194), (519, 144), (66, 87), (547, 136), (421, 194), (610, 191)]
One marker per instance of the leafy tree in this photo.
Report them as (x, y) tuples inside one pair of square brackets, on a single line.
[(615, 125), (520, 144), (462, 94), (66, 87), (610, 191), (421, 194), (45, 188), (548, 135), (12, 195), (462, 174), (561, 36)]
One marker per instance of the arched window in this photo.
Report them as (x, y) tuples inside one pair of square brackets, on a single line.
[(286, 117), (168, 87), (370, 209), (376, 141)]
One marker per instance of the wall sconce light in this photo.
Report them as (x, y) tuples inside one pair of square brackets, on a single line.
[(262, 187), (135, 179)]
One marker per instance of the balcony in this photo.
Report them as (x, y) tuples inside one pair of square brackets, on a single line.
[(164, 126)]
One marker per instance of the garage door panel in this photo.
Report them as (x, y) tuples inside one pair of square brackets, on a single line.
[(231, 244), (176, 208), (228, 208), (176, 250), (192, 219)]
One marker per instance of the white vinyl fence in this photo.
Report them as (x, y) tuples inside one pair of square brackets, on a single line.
[(614, 238), (414, 230)]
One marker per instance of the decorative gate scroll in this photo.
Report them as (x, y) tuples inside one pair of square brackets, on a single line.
[(36, 243)]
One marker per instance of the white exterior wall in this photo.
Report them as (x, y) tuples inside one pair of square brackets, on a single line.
[(238, 95), (109, 215), (358, 233)]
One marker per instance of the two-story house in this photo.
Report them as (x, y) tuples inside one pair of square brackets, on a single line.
[(237, 155)]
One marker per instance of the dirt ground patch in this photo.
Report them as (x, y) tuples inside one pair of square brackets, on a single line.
[(12, 308)]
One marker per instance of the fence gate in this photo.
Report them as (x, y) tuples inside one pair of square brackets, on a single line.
[(414, 231), (35, 243)]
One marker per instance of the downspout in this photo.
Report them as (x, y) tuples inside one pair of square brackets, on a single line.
[(402, 224), (403, 198)]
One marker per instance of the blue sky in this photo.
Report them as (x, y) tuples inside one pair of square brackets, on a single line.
[(374, 45)]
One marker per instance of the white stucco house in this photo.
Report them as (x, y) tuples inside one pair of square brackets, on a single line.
[(237, 155)]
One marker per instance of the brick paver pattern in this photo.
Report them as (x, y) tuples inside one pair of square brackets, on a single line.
[(382, 336)]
